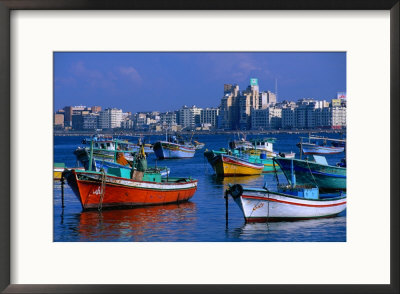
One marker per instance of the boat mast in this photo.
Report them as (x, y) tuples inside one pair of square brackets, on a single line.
[(293, 176), (301, 147), (91, 155)]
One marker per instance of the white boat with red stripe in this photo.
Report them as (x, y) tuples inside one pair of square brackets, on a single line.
[(286, 204)]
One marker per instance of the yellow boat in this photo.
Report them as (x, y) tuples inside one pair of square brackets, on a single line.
[(226, 165)]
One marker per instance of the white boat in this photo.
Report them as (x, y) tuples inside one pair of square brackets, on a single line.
[(262, 205), (287, 203), (174, 147)]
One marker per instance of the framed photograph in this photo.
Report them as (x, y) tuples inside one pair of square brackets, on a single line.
[(199, 147)]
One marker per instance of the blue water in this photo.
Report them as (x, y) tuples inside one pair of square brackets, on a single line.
[(200, 220)]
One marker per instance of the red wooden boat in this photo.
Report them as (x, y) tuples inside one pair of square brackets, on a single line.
[(100, 189), (120, 187)]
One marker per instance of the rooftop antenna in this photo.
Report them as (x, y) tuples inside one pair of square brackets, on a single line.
[(276, 89)]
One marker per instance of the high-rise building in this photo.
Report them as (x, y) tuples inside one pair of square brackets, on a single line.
[(209, 116), (266, 99), (236, 107), (338, 117), (248, 101), (189, 117), (229, 109), (90, 121), (96, 109)]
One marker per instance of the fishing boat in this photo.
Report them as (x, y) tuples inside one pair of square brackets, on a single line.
[(198, 145), (261, 152), (115, 159), (174, 147), (229, 165), (288, 203), (314, 172), (258, 147), (122, 188), (312, 147), (111, 143), (104, 148)]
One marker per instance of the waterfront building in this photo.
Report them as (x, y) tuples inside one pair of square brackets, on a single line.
[(59, 120), (90, 121), (127, 124), (266, 99), (289, 117), (265, 119), (70, 111), (96, 109), (209, 116), (248, 101), (189, 117), (323, 117), (140, 120), (168, 120), (229, 109), (338, 117), (236, 107), (110, 118)]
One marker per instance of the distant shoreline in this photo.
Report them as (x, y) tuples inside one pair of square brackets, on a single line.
[(58, 133)]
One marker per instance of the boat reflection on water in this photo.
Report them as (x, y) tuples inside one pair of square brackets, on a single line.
[(137, 224), (294, 231)]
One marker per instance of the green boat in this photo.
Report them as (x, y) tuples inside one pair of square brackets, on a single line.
[(317, 172)]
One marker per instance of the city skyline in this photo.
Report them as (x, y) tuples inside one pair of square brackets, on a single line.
[(165, 81)]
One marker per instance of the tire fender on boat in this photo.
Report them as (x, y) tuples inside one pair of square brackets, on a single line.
[(236, 190)]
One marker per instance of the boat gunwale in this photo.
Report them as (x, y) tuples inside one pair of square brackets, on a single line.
[(125, 179), (287, 195), (309, 162)]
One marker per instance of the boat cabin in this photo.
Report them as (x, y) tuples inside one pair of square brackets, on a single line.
[(263, 144), (303, 192)]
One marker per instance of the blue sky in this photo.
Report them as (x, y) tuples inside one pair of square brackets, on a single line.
[(164, 81)]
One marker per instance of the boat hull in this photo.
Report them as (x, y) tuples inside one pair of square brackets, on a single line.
[(260, 205), (167, 150), (321, 150), (230, 166), (326, 177), (121, 192)]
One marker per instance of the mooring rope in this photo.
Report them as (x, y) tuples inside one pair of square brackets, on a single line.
[(312, 174), (103, 189)]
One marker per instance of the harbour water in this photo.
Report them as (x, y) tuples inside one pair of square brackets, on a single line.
[(202, 219)]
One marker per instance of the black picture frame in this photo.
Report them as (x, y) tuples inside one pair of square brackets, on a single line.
[(7, 6)]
